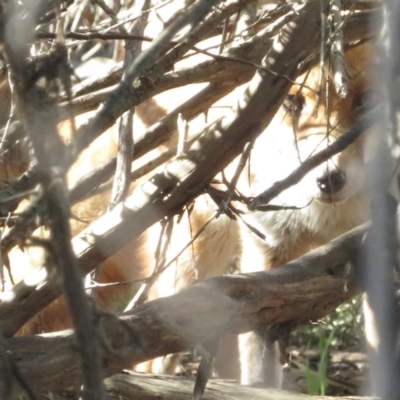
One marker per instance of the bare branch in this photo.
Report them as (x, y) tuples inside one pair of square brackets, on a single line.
[(36, 108), (303, 290), (141, 65), (157, 134)]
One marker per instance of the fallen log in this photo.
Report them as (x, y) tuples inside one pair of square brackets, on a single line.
[(303, 290), (128, 385)]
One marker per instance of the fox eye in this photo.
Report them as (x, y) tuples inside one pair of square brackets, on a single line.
[(294, 104)]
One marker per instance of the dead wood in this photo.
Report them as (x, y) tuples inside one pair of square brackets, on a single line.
[(303, 290), (126, 386)]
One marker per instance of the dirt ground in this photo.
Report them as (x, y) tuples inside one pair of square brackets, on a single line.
[(346, 373)]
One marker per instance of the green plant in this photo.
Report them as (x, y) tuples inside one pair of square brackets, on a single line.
[(347, 323), (317, 380)]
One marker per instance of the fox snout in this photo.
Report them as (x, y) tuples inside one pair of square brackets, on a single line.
[(340, 178)]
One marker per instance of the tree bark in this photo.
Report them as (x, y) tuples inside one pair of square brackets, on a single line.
[(303, 290), (126, 386)]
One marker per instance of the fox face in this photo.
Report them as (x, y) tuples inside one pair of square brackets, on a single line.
[(311, 118), (328, 201), (314, 128), (332, 198)]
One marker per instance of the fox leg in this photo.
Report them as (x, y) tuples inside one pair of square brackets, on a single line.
[(259, 354), (259, 360)]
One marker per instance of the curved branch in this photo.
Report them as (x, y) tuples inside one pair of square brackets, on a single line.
[(303, 290)]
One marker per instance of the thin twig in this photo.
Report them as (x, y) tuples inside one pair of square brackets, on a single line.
[(124, 159), (2, 257), (158, 271), (337, 50)]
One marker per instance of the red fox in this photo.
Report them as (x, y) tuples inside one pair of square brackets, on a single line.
[(329, 201)]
